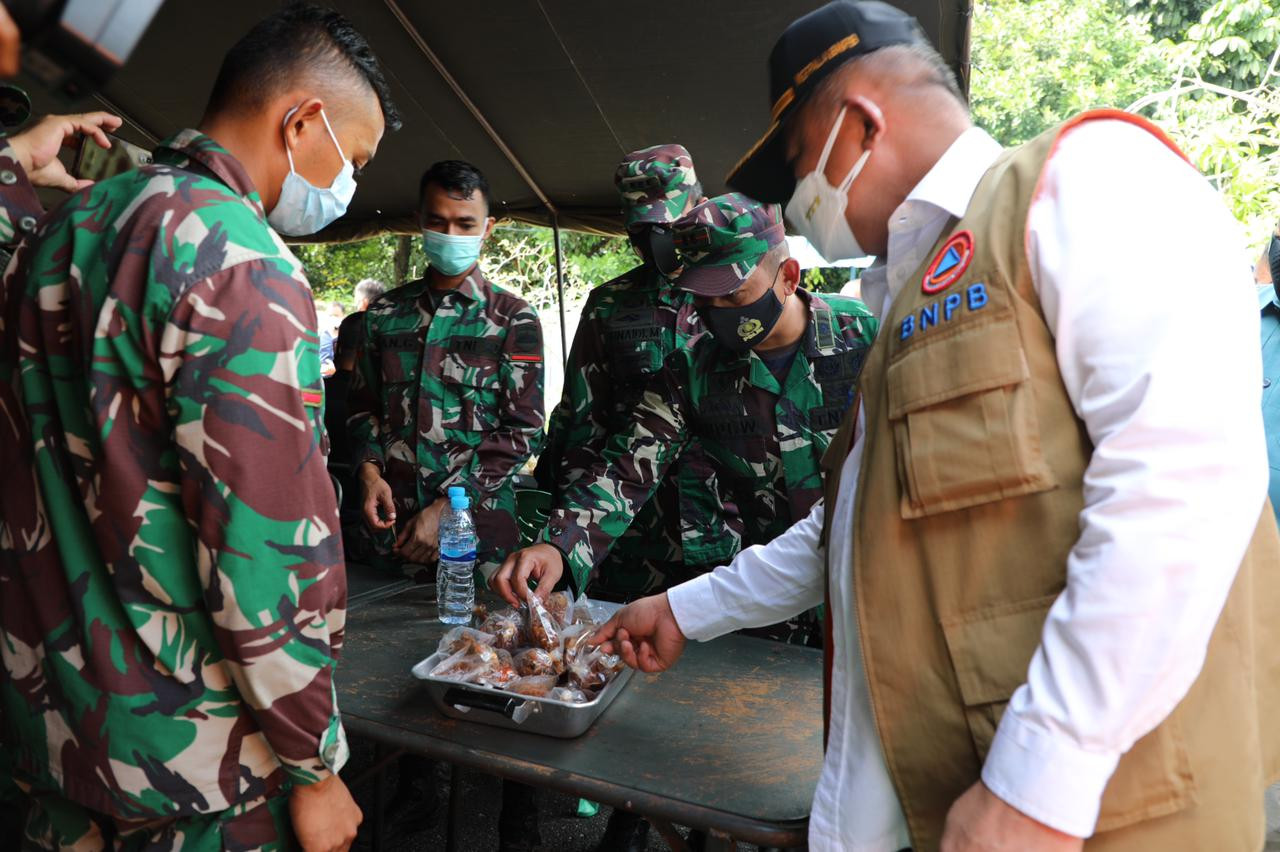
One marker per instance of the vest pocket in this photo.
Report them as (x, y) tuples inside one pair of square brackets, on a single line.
[(964, 422), (991, 651), (470, 393)]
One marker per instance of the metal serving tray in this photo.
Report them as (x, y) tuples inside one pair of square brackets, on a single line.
[(487, 705)]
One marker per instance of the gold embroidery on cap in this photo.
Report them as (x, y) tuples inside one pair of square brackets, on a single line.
[(783, 102), (847, 43)]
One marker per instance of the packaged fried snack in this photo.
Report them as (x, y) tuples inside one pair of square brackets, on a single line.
[(456, 639), (560, 605), (592, 670), (535, 661), (535, 686), (506, 628), (543, 632)]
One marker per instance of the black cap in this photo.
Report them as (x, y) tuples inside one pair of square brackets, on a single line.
[(810, 49)]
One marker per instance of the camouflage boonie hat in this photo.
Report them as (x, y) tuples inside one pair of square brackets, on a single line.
[(657, 185), (722, 240)]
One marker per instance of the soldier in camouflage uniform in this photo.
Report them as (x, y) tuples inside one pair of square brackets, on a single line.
[(627, 328), (172, 593), (762, 393), (447, 389), (28, 158)]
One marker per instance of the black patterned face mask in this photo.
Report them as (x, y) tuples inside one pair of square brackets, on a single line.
[(740, 327), (657, 245)]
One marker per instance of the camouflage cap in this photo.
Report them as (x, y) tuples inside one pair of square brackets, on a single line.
[(657, 185), (722, 240)]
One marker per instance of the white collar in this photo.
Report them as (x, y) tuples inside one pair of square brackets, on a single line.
[(950, 184)]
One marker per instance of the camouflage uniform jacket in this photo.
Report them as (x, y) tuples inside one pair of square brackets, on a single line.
[(450, 395), (627, 329), (172, 595), (763, 443)]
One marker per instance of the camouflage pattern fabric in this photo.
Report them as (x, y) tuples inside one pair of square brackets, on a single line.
[(627, 329), (658, 185), (763, 443), (20, 209), (55, 822), (19, 206), (450, 395), (723, 240), (172, 592)]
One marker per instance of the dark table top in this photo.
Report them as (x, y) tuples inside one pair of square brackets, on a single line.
[(366, 584), (730, 738)]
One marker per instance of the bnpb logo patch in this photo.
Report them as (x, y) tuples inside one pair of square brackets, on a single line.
[(949, 264)]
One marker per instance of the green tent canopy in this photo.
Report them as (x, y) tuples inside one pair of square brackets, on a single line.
[(545, 96)]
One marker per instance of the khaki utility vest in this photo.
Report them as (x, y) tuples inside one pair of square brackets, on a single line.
[(967, 507)]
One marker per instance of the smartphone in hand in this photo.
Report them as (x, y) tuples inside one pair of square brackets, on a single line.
[(95, 163)]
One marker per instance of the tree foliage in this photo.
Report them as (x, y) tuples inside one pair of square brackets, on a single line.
[(519, 257), (1203, 69), (1170, 19), (1036, 62)]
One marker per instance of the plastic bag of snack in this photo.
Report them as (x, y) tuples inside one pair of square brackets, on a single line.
[(463, 666), (560, 605), (455, 640), (506, 628), (573, 641), (587, 611), (592, 670), (535, 686), (536, 661), (543, 631), (499, 669), (569, 694)]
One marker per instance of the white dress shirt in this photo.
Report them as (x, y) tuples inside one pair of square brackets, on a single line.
[(1143, 278)]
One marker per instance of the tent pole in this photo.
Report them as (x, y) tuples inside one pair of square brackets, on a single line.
[(564, 332)]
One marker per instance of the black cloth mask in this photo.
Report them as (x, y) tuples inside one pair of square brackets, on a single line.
[(658, 247), (740, 327)]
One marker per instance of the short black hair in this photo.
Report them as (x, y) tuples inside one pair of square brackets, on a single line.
[(301, 37), (454, 176), (350, 337)]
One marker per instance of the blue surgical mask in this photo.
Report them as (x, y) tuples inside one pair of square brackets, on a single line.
[(304, 208), (451, 254)]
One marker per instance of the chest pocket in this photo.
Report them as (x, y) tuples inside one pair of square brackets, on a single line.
[(401, 366), (470, 377), (730, 430), (837, 375), (964, 423), (634, 341)]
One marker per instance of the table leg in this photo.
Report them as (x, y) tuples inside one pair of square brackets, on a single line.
[(455, 808), (380, 799), (718, 841), (669, 834)]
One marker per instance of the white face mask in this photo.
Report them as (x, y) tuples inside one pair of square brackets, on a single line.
[(816, 208), (304, 208)]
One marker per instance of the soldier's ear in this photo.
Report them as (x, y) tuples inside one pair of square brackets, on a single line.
[(488, 227), (789, 273)]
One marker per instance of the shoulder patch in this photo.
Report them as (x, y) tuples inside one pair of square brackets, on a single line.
[(526, 343)]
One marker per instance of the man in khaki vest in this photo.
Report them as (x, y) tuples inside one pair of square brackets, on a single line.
[(1045, 537)]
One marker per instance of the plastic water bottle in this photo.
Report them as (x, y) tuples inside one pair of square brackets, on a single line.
[(455, 572)]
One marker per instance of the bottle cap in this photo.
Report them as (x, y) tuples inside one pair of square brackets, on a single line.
[(456, 491), (459, 501)]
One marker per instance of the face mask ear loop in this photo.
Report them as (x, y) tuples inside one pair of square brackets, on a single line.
[(853, 172), (776, 273), (332, 136), (831, 141), (287, 152)]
